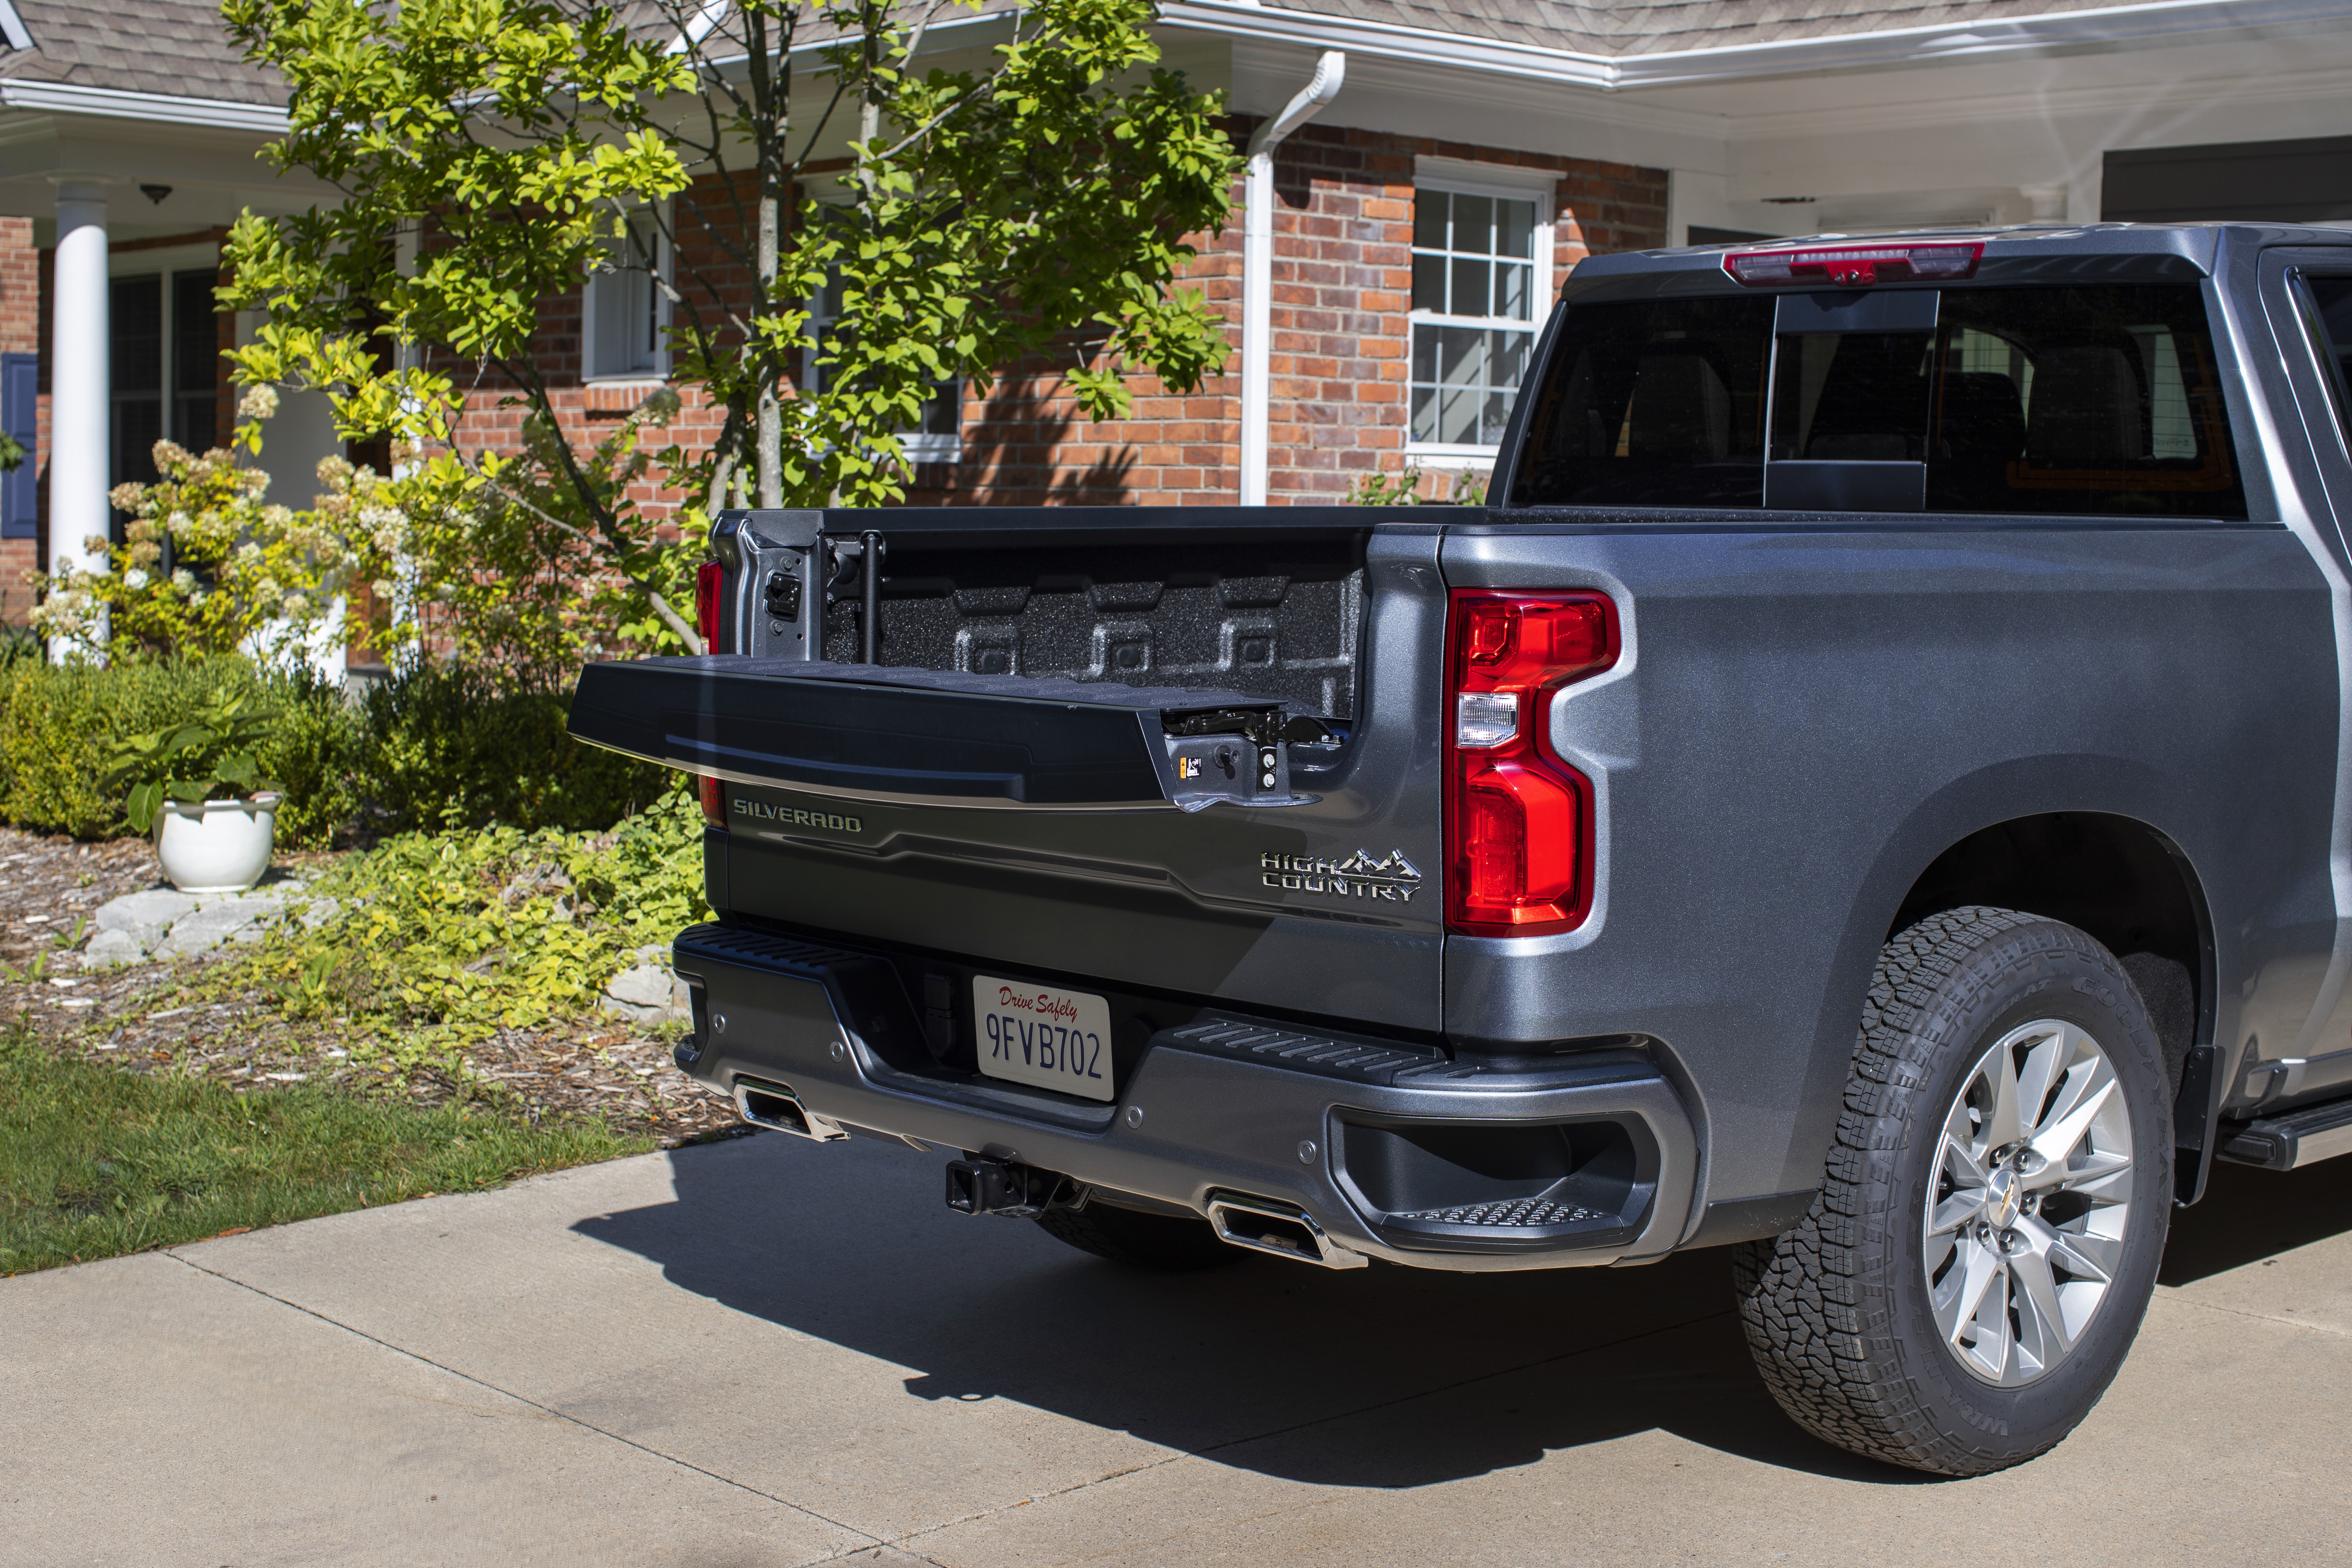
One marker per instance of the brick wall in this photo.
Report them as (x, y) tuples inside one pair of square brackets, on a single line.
[(1342, 285)]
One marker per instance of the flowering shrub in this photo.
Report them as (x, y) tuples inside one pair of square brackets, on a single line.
[(208, 566), (509, 574)]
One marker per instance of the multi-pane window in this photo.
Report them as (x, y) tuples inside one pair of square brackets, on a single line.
[(162, 331), (1473, 312), (624, 310), (936, 436)]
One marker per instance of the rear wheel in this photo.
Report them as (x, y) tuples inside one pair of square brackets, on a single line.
[(1989, 1226), (1170, 1243)]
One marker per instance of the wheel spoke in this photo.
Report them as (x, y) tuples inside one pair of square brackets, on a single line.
[(1963, 1205), (1959, 1158), (2041, 1322), (2043, 1063), (2065, 1127), (2001, 1126), (1964, 1289), (2087, 1256), (2099, 1176)]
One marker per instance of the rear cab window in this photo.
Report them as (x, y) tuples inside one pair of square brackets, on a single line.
[(2100, 400)]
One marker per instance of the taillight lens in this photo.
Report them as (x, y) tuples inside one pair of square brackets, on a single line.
[(709, 589), (1518, 820), (1854, 266), (714, 800)]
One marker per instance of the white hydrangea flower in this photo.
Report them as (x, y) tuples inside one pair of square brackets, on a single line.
[(135, 579), (259, 402), (184, 581)]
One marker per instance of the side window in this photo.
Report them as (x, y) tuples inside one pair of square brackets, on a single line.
[(1652, 402), (2330, 300), (1474, 287), (2104, 401), (622, 312), (938, 436)]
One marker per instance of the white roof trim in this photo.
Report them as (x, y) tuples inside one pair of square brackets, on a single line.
[(65, 98), (12, 28), (2108, 26)]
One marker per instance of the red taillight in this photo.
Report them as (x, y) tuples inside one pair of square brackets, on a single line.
[(1519, 821), (1853, 265), (714, 800), (709, 588)]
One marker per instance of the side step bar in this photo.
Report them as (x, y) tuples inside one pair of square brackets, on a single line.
[(2293, 1137)]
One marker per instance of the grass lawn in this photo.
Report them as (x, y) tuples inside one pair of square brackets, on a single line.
[(98, 1161)]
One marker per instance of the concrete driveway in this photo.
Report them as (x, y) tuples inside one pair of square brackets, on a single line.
[(767, 1352)]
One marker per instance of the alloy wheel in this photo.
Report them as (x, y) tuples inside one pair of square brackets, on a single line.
[(2028, 1203)]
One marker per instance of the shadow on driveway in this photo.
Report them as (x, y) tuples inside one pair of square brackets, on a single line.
[(1440, 1376), (2248, 1215)]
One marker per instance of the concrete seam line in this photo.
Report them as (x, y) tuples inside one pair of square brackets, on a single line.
[(1173, 1456), (522, 1399), (2258, 1316)]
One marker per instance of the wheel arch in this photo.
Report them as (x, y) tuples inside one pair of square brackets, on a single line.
[(2008, 836)]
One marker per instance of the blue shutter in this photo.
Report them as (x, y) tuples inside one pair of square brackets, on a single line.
[(20, 392)]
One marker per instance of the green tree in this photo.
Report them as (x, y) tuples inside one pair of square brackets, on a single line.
[(491, 154)]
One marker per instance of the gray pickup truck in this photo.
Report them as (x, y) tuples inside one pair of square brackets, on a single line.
[(1870, 793)]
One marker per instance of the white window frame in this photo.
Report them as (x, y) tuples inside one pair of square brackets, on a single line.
[(918, 445), (656, 374), (1455, 175)]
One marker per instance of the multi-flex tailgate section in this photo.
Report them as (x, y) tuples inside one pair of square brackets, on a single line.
[(943, 737)]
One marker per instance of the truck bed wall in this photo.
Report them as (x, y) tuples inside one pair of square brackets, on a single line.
[(1809, 713)]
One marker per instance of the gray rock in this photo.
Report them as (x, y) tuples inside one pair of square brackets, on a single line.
[(649, 992), (113, 948), (319, 910), (216, 923), (146, 916)]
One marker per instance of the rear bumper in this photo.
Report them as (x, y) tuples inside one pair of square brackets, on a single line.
[(1397, 1153)]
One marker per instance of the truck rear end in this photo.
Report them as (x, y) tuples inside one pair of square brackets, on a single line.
[(1501, 888), (1120, 869)]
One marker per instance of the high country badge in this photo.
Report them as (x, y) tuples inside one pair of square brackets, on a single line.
[(1392, 880)]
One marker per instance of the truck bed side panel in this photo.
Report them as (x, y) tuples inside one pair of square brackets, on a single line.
[(1814, 711)]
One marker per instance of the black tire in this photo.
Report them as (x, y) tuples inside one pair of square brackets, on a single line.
[(1838, 1312), (1164, 1242)]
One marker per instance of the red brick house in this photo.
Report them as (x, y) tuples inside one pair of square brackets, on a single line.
[(1412, 226)]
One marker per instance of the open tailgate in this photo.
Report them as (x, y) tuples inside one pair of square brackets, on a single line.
[(944, 737)]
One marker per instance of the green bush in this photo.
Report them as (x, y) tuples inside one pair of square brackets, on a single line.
[(445, 747), (435, 940), (57, 722), (440, 748)]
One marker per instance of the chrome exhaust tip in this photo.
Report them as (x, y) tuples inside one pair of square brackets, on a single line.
[(778, 1106), (1286, 1230)]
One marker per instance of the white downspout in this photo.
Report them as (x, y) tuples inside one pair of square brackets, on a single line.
[(1257, 268)]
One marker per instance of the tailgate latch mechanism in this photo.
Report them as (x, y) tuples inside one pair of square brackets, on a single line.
[(1237, 754)]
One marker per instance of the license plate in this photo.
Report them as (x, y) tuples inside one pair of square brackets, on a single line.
[(1036, 1034)]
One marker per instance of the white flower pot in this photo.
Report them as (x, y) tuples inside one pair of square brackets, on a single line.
[(219, 847)]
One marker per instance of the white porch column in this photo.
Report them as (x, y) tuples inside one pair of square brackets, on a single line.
[(78, 385)]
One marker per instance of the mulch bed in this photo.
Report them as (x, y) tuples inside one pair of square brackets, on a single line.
[(607, 1068)]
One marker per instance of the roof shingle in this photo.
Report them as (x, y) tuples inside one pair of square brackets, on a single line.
[(177, 47)]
